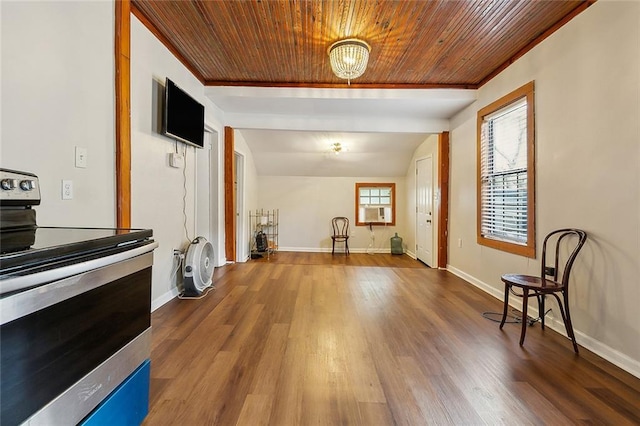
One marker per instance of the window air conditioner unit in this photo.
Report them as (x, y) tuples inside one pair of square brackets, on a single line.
[(373, 214)]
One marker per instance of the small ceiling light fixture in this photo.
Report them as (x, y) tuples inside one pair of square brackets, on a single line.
[(349, 58), (336, 148)]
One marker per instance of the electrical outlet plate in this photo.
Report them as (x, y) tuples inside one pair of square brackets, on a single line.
[(67, 189)]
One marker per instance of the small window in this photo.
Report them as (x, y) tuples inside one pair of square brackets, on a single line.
[(506, 175), (375, 204)]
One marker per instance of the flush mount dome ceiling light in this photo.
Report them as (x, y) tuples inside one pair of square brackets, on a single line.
[(349, 58)]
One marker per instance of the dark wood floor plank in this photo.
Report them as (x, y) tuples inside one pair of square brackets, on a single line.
[(306, 338)]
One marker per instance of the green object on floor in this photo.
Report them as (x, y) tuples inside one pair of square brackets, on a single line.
[(396, 245)]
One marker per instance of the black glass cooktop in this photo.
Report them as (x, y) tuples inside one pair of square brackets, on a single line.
[(41, 244)]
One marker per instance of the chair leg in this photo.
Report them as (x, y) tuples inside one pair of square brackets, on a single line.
[(333, 246), (346, 246), (507, 287), (567, 323), (525, 305), (541, 309)]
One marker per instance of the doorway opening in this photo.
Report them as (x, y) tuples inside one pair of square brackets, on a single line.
[(238, 193)]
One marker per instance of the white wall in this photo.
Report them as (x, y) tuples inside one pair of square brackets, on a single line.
[(58, 93), (307, 204), (587, 94), (162, 197), (428, 148)]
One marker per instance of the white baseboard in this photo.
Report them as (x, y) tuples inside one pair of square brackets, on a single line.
[(476, 282), (306, 249), (339, 250), (615, 357), (167, 297)]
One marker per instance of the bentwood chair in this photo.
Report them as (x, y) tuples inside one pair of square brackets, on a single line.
[(553, 279), (340, 227)]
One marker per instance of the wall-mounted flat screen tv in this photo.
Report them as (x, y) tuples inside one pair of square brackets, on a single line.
[(183, 116)]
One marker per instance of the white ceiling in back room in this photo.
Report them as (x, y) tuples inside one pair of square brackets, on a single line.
[(310, 153)]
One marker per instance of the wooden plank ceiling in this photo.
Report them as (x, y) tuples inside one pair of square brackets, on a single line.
[(436, 43)]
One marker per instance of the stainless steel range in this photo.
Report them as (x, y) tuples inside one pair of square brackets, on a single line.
[(75, 309)]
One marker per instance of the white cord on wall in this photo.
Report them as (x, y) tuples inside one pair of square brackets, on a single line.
[(180, 257), (184, 193), (371, 248)]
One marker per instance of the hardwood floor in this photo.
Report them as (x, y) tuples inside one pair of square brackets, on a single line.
[(306, 339)]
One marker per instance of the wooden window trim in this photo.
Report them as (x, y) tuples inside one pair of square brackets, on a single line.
[(376, 185), (528, 250)]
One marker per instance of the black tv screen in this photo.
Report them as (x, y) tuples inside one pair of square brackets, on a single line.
[(183, 116)]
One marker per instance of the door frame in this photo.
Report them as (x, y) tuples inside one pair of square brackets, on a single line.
[(441, 202), (239, 202), (229, 196)]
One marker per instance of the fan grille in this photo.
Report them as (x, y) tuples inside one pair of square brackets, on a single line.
[(199, 264), (206, 265)]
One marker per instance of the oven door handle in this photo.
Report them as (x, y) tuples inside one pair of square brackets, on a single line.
[(44, 277)]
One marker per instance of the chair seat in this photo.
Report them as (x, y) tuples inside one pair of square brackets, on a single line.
[(531, 282)]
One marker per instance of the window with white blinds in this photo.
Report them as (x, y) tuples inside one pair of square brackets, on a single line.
[(505, 190)]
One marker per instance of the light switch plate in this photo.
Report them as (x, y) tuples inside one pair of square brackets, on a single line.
[(81, 157)]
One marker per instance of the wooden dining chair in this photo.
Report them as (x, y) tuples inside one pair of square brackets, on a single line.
[(553, 279), (340, 227)]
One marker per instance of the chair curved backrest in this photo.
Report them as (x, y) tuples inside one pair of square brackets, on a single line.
[(340, 226), (561, 270)]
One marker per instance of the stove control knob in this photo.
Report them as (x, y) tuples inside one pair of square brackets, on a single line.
[(8, 184), (27, 185)]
